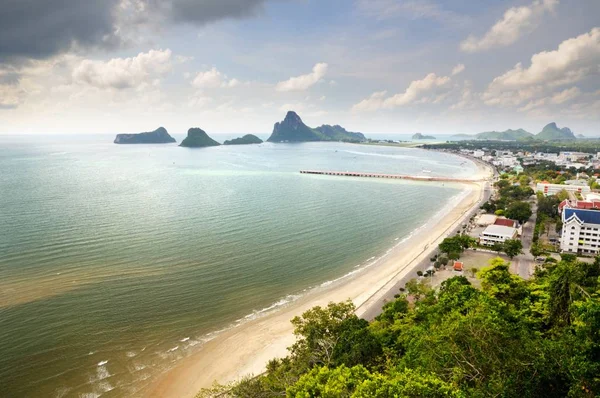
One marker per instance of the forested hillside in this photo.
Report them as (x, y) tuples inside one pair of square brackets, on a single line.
[(509, 338)]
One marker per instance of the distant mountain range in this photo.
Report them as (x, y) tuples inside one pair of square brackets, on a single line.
[(550, 132), (292, 129), (419, 136)]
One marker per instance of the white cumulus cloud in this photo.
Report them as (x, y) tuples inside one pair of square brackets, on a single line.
[(213, 78), (516, 22), (123, 73), (458, 69), (429, 89), (575, 59), (303, 82)]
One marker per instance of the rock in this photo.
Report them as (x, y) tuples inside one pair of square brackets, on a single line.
[(197, 138), (158, 136), (245, 140)]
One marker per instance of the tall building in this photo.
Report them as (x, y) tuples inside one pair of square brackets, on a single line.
[(580, 231)]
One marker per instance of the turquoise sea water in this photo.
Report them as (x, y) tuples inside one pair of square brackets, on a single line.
[(116, 261)]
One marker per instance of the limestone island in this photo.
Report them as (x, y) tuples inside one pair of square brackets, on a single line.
[(420, 136), (158, 136), (292, 129), (197, 138), (245, 140)]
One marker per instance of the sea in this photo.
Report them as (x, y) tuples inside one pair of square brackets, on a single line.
[(117, 261)]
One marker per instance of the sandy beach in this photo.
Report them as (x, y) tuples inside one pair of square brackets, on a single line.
[(245, 350)]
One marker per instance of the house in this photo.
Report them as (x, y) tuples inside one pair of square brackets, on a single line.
[(581, 231), (497, 234), (458, 266)]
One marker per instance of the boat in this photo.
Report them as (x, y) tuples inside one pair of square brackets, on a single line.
[(426, 171)]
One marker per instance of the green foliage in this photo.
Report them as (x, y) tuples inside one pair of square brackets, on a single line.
[(511, 338), (456, 244), (520, 211), (512, 247), (358, 382)]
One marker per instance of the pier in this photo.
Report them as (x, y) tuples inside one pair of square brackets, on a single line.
[(391, 176)]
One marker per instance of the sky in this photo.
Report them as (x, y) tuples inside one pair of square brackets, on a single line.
[(237, 66)]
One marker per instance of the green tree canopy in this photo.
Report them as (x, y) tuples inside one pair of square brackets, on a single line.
[(520, 211)]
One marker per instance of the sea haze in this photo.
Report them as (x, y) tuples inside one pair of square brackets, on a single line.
[(118, 260)]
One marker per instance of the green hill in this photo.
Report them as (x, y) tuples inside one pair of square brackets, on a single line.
[(292, 129), (338, 133), (551, 132), (197, 138), (508, 135), (419, 136), (245, 140)]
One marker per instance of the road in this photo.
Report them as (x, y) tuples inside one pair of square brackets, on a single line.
[(375, 308), (524, 264)]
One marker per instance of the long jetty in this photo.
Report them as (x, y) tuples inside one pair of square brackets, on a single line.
[(391, 176)]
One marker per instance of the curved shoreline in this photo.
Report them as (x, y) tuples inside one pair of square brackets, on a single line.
[(245, 349)]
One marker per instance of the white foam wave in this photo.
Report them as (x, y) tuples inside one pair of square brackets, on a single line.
[(130, 354), (102, 363), (184, 339), (173, 349)]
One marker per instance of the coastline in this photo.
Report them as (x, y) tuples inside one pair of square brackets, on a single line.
[(245, 349)]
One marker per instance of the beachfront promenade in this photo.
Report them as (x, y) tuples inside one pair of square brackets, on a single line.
[(392, 176)]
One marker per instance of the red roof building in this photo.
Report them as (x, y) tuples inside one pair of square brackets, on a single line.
[(506, 222)]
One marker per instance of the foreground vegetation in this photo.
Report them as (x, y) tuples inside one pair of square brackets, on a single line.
[(512, 338)]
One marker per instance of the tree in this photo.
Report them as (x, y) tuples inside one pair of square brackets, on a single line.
[(498, 247), (562, 195), (520, 211), (502, 184), (319, 330), (524, 181), (512, 247)]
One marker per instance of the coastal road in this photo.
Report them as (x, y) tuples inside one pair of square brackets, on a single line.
[(376, 308)]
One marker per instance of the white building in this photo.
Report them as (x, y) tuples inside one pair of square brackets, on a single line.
[(553, 189), (497, 234), (581, 231), (478, 153)]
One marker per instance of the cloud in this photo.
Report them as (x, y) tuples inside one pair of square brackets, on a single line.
[(516, 22), (212, 79), (303, 82), (566, 95), (38, 29), (575, 59), (418, 91), (458, 69), (373, 103), (124, 73)]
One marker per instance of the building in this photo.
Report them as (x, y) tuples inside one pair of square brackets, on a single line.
[(506, 222), (497, 234), (552, 189), (581, 231), (589, 204), (478, 153)]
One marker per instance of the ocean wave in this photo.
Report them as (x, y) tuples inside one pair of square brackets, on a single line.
[(102, 363)]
